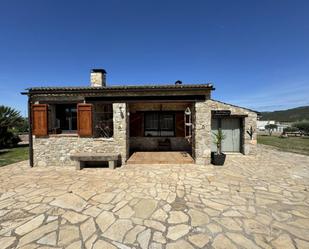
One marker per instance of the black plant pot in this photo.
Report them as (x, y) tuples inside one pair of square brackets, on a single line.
[(217, 159)]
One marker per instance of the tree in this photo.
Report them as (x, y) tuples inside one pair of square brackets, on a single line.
[(290, 129), (9, 118), (302, 126), (270, 128)]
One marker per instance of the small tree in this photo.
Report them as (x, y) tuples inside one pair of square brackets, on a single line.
[(270, 128), (9, 118), (302, 126), (219, 137), (290, 129)]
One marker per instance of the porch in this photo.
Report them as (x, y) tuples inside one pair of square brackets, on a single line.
[(160, 127)]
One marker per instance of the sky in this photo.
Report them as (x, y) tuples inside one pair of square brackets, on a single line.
[(256, 53)]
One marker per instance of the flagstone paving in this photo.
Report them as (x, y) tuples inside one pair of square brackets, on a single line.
[(251, 202)]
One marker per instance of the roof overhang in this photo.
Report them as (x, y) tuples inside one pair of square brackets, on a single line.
[(123, 90)]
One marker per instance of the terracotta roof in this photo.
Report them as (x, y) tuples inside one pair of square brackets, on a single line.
[(118, 89), (125, 87)]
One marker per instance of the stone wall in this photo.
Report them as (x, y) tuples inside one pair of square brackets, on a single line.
[(202, 131), (249, 145), (56, 149)]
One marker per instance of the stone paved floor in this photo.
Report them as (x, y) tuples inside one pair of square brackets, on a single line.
[(251, 202)]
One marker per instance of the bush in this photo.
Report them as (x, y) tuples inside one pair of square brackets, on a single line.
[(290, 129), (21, 127), (9, 118), (8, 139), (302, 126)]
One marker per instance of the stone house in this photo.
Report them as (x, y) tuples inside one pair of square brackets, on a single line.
[(124, 119)]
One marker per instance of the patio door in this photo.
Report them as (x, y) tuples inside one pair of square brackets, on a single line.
[(231, 128)]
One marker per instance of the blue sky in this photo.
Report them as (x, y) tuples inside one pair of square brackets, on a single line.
[(255, 52)]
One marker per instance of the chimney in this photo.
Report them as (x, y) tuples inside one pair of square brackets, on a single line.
[(98, 78)]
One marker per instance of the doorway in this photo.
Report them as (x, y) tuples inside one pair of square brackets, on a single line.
[(231, 128)]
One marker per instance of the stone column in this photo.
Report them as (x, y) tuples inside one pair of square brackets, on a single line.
[(250, 143), (121, 134), (202, 133)]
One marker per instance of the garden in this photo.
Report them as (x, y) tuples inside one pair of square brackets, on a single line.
[(12, 124), (293, 139)]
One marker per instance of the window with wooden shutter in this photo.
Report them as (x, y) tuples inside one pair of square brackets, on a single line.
[(84, 120), (40, 120), (180, 124)]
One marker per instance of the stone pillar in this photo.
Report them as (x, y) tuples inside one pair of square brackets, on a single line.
[(202, 133), (121, 134), (250, 143)]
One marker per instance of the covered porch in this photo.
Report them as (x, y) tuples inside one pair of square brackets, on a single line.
[(160, 127)]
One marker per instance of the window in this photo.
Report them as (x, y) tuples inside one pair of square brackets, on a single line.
[(159, 124), (103, 120), (66, 117)]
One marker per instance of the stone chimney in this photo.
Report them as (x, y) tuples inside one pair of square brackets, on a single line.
[(98, 78)]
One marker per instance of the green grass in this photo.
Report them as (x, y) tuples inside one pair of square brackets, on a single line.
[(13, 155), (292, 144)]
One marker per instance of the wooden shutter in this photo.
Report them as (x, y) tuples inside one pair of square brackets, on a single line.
[(180, 124), (136, 124), (84, 120), (40, 120)]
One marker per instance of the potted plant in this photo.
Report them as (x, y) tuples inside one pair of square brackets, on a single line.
[(218, 158)]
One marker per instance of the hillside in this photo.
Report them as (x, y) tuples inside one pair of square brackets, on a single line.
[(290, 115)]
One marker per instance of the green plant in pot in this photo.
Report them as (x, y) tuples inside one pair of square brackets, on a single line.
[(218, 158)]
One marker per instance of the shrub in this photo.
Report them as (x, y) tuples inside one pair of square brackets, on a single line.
[(302, 126), (21, 127), (290, 129), (9, 118), (8, 139)]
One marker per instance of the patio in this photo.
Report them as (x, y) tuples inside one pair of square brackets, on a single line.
[(161, 157), (251, 202)]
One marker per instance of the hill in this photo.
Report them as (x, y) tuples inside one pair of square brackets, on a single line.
[(290, 115)]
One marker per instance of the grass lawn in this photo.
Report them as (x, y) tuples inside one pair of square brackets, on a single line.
[(13, 155), (291, 144)]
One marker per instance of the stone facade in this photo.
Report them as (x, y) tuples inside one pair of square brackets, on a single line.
[(202, 131), (249, 120), (56, 149)]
